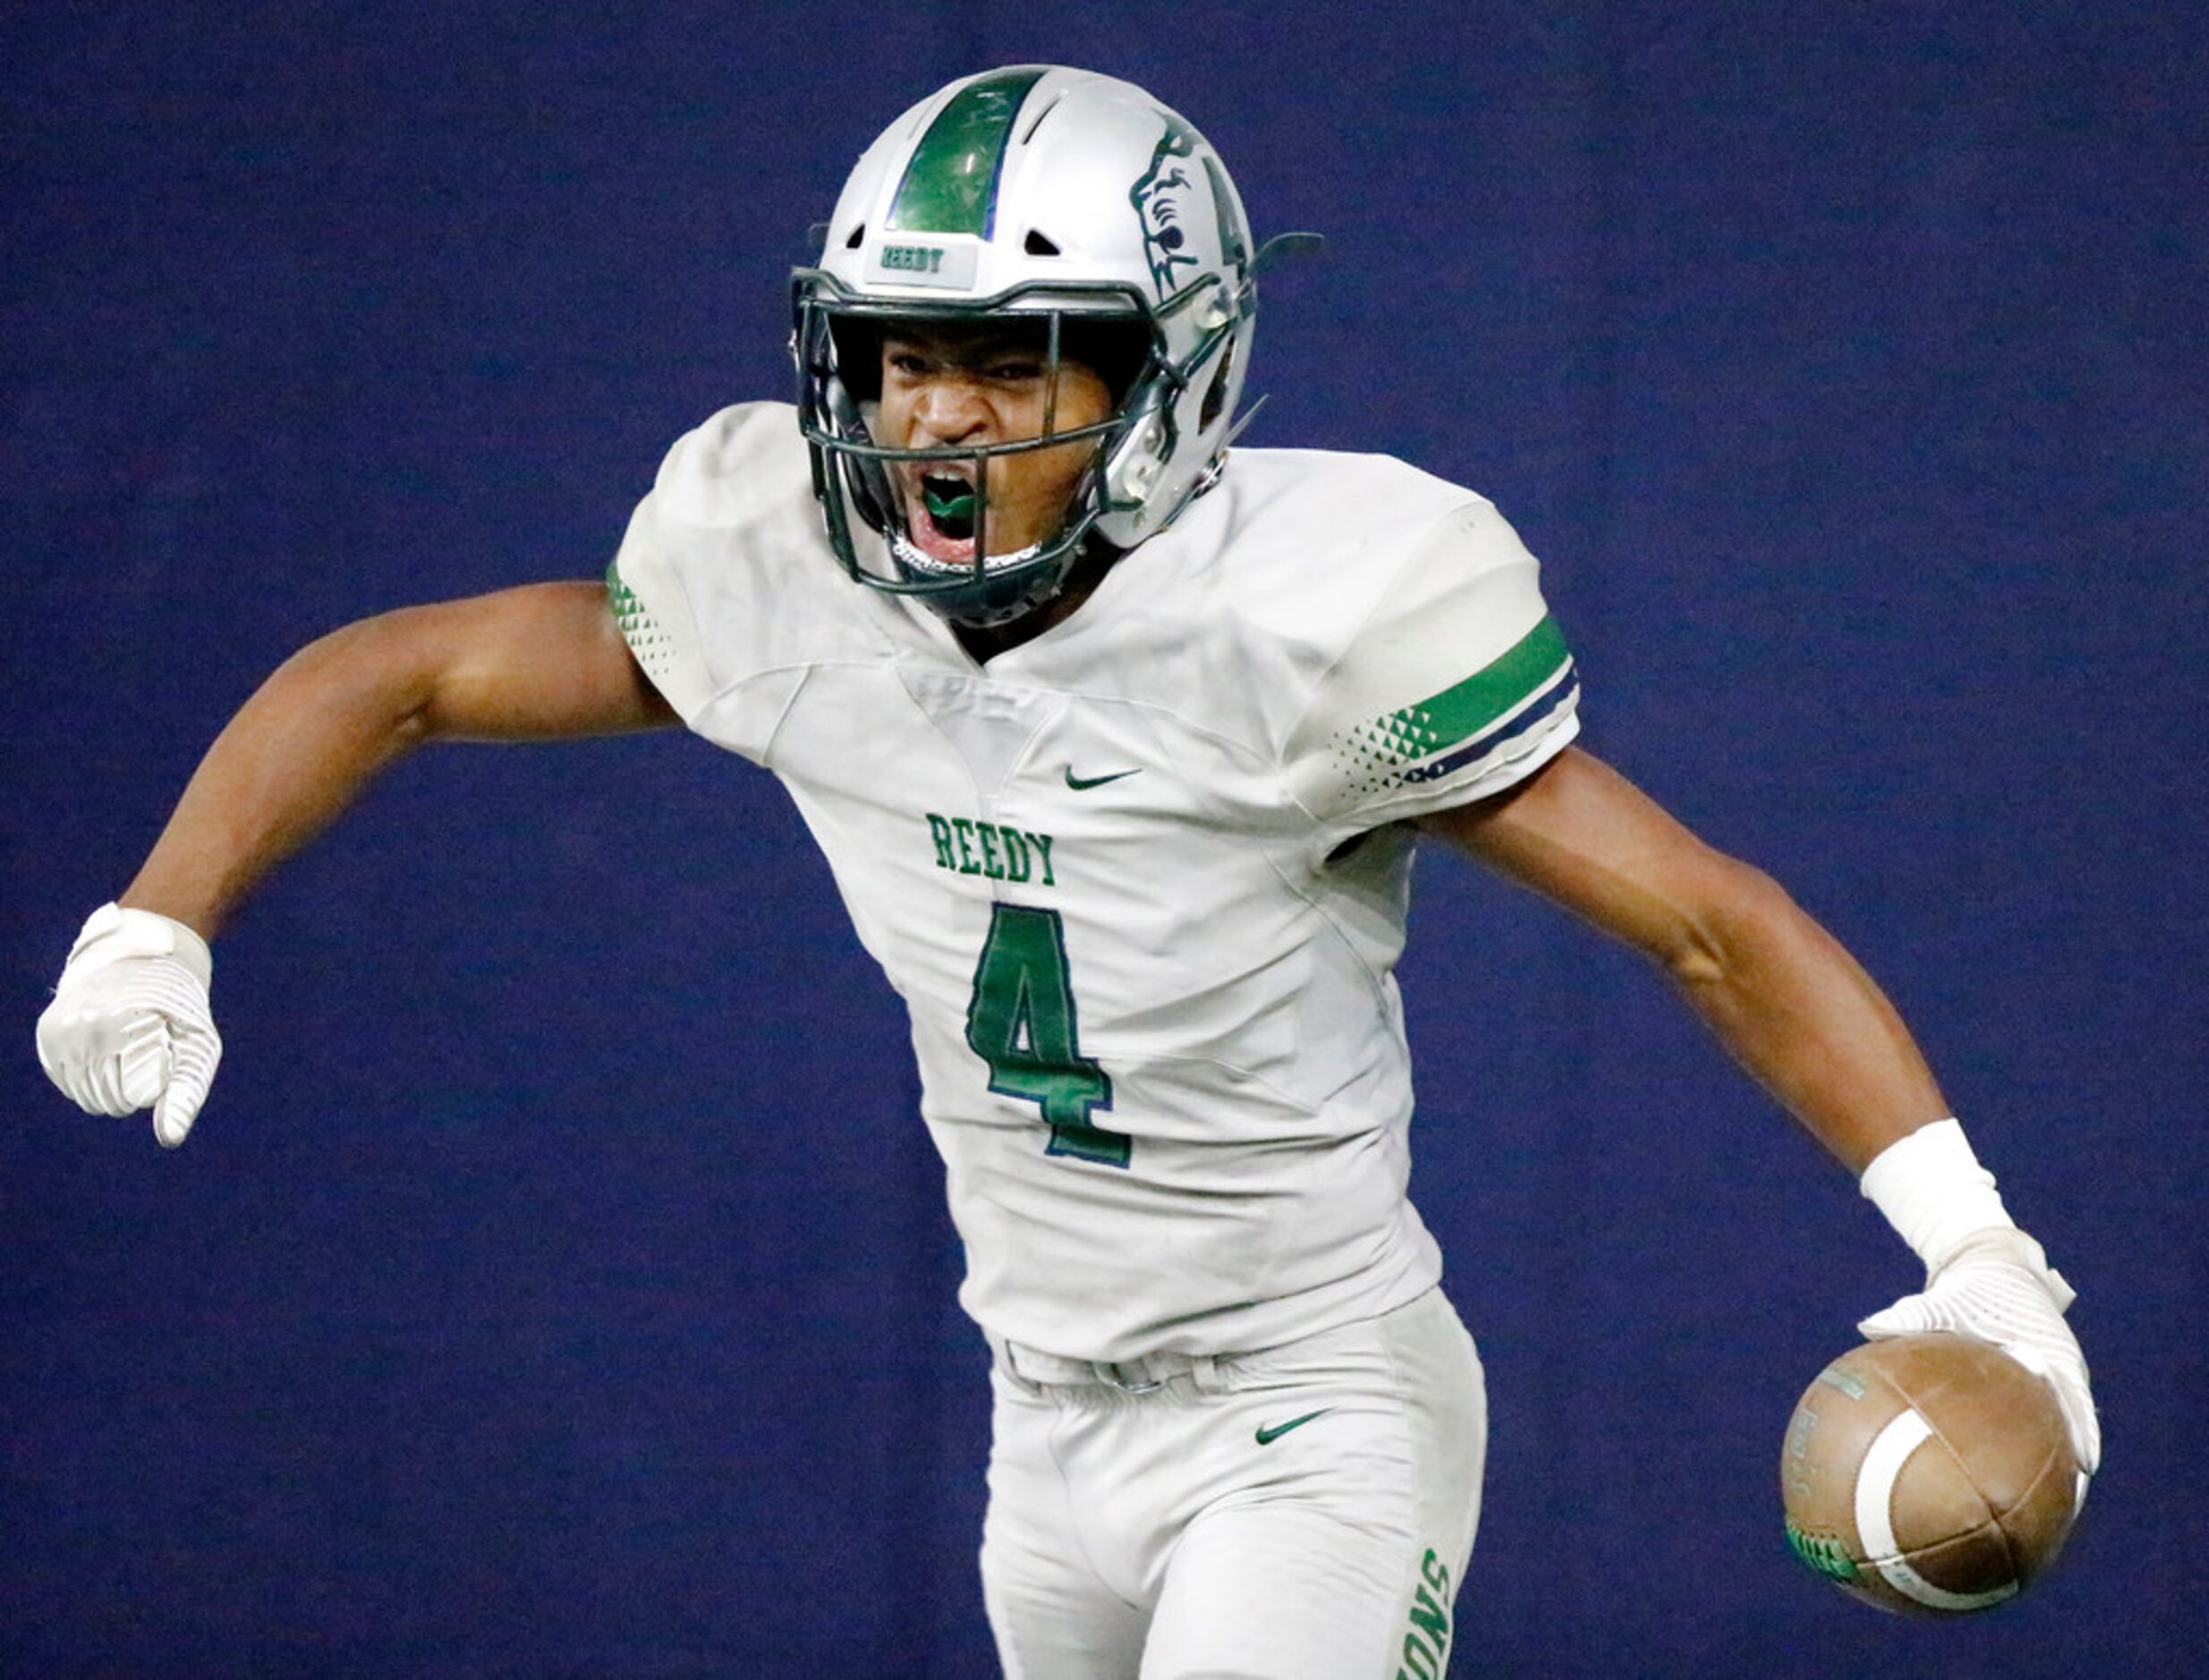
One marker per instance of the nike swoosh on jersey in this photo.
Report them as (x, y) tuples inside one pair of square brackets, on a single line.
[(1270, 1433), (1082, 784)]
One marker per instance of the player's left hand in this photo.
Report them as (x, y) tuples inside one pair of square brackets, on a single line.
[(1998, 1287)]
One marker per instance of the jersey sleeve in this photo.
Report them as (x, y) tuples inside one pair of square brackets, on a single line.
[(1456, 685), (645, 592)]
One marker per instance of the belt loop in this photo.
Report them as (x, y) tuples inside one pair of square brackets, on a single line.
[(1001, 1356), (1205, 1373)]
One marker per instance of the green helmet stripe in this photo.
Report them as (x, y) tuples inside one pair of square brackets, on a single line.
[(950, 185)]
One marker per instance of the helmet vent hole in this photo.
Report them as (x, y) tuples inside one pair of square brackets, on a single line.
[(1040, 244), (857, 234), (1040, 115)]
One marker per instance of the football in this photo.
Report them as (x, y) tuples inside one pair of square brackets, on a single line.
[(1928, 1474)]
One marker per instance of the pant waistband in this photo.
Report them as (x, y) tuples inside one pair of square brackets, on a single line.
[(1036, 1369)]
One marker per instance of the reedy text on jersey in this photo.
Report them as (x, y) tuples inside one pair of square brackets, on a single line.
[(997, 851)]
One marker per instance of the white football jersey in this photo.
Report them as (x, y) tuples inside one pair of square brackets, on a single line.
[(1141, 880)]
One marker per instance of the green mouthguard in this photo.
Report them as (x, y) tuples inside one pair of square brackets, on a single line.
[(942, 507)]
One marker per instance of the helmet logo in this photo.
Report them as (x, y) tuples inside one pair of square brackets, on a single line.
[(1158, 199)]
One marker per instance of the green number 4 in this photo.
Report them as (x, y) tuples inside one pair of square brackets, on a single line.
[(1020, 1021)]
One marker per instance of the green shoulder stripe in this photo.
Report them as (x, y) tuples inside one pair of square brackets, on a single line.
[(1446, 732), (950, 186), (1466, 709), (652, 645)]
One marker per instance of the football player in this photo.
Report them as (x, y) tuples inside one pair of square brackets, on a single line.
[(1119, 748)]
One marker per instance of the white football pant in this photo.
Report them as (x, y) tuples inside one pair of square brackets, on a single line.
[(1299, 1513)]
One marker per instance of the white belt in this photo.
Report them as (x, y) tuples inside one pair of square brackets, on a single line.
[(1146, 1375)]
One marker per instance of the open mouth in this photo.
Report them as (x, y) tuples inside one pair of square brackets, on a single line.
[(951, 507), (943, 513)]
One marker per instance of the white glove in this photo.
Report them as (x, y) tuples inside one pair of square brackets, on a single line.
[(129, 1026), (1984, 1279), (1998, 1288)]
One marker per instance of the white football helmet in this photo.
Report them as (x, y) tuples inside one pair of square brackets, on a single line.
[(1053, 195)]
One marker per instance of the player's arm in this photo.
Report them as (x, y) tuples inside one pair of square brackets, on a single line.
[(1792, 1007), (129, 1026), (541, 662), (1801, 1016)]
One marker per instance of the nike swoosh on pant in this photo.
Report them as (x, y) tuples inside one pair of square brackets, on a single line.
[(1270, 1433)]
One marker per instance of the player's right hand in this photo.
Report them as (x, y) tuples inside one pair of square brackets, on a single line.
[(129, 1027)]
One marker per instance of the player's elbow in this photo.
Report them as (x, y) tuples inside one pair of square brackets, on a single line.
[(376, 673), (1726, 929)]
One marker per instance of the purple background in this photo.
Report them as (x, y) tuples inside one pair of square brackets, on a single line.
[(558, 1281)]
